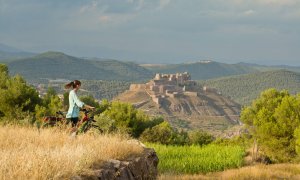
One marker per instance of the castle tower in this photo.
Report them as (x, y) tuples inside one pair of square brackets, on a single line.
[(157, 76)]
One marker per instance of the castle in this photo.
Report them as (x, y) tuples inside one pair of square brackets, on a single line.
[(167, 85)]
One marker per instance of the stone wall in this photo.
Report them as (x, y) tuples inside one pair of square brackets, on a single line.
[(137, 168), (137, 87), (209, 89), (157, 99), (189, 93)]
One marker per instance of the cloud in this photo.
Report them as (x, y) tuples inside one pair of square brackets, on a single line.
[(151, 27), (89, 7), (163, 4), (278, 2), (249, 12), (247, 30)]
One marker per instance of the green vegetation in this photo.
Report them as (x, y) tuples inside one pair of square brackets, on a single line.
[(245, 88), (49, 106), (163, 133), (274, 121), (55, 65), (197, 159), (17, 99), (123, 117), (104, 89), (97, 88)]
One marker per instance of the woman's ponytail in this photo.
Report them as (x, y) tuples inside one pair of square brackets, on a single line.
[(67, 86), (73, 84)]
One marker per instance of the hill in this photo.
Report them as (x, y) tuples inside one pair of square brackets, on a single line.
[(56, 65), (10, 56), (245, 88), (270, 68), (8, 53), (203, 69), (192, 108)]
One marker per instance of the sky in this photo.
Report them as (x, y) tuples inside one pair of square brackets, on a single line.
[(157, 31)]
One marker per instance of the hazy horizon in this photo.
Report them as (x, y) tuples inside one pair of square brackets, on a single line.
[(263, 32)]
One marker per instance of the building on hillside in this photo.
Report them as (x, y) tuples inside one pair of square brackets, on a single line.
[(167, 85)]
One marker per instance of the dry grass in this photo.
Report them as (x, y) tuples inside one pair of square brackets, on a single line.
[(26, 153), (277, 171)]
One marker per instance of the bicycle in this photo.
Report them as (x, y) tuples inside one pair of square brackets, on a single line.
[(54, 120), (87, 123), (84, 125)]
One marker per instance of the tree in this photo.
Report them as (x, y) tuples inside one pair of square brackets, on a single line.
[(17, 97), (124, 117), (161, 133), (199, 137), (90, 100), (50, 104), (3, 75), (272, 120)]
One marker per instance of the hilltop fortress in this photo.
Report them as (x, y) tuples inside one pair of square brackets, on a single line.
[(168, 85), (183, 103)]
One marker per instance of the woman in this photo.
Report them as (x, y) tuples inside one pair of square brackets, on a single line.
[(74, 103)]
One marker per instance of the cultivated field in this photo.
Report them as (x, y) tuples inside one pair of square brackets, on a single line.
[(27, 153), (197, 159)]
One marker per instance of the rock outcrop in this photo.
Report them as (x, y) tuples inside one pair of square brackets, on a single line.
[(135, 168)]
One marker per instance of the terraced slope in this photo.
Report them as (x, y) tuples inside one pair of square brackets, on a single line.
[(209, 111)]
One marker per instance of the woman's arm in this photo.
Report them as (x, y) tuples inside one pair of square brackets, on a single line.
[(80, 103), (89, 107)]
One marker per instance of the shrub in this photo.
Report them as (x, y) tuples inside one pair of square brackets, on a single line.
[(272, 120), (199, 137), (17, 99), (123, 117), (161, 133)]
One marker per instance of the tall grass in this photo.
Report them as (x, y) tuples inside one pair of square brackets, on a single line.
[(197, 159), (26, 153), (275, 171)]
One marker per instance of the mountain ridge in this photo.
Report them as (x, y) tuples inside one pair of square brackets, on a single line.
[(57, 65)]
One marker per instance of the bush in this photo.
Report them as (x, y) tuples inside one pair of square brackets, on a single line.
[(123, 117), (49, 106), (272, 120), (161, 133), (17, 99), (199, 137)]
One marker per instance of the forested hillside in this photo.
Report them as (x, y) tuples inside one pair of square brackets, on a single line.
[(203, 70), (55, 65), (245, 88)]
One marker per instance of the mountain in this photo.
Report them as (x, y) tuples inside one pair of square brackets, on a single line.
[(269, 68), (245, 88), (195, 108), (8, 53), (56, 65), (203, 69)]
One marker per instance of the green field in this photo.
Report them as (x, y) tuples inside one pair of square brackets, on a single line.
[(197, 159)]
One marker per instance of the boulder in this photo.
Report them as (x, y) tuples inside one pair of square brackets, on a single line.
[(134, 168)]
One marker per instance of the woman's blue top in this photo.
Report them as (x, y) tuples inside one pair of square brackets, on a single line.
[(74, 105)]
